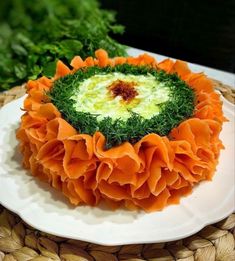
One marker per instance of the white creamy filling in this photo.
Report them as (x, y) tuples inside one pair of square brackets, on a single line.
[(93, 96)]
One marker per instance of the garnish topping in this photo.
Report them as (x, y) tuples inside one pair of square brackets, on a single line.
[(124, 89)]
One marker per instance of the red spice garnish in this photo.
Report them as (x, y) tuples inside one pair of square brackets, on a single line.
[(124, 89)]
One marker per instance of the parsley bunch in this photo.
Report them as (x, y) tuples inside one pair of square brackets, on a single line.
[(35, 34), (179, 107)]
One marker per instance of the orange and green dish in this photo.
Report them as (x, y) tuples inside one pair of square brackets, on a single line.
[(128, 131)]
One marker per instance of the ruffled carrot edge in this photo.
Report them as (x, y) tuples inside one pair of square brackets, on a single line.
[(151, 174)]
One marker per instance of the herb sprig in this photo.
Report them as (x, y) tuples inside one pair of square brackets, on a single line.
[(33, 35), (179, 107)]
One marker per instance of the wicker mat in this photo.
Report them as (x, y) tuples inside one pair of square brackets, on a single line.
[(18, 241)]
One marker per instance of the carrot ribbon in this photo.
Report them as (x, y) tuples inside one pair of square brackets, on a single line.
[(151, 174)]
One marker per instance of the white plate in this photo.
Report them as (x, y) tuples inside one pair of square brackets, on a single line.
[(47, 210)]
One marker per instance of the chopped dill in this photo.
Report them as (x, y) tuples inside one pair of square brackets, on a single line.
[(179, 107)]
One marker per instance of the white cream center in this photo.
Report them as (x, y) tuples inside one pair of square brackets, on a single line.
[(94, 97)]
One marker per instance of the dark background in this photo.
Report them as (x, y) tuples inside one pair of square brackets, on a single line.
[(202, 32)]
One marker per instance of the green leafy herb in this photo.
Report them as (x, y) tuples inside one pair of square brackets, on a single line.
[(33, 35), (179, 107)]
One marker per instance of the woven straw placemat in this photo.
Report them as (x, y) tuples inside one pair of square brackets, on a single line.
[(18, 241)]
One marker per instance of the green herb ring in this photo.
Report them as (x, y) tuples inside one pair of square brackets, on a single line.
[(123, 102)]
